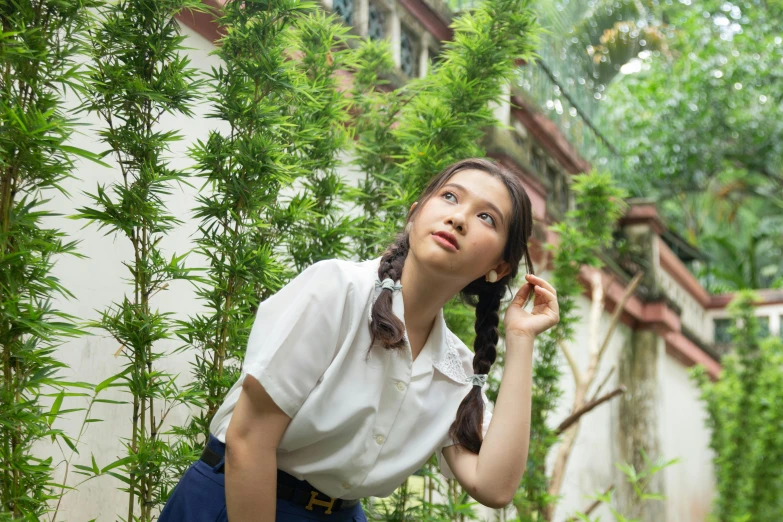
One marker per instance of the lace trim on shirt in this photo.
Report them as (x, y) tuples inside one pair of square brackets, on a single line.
[(451, 364)]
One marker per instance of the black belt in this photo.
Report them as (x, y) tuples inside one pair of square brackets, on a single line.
[(290, 488)]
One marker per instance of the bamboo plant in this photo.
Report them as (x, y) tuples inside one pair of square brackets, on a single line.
[(276, 94), (138, 74), (39, 44)]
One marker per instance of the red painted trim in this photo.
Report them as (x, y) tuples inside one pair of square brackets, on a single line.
[(518, 169), (657, 317), (205, 23), (428, 18), (645, 213), (534, 188), (767, 296), (682, 349)]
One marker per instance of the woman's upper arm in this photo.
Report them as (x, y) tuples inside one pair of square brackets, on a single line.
[(256, 419), (298, 331)]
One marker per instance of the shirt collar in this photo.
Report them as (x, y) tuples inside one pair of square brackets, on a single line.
[(439, 351)]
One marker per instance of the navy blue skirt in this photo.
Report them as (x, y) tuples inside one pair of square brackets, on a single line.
[(200, 496)]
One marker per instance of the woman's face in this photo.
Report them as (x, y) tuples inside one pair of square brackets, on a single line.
[(473, 206)]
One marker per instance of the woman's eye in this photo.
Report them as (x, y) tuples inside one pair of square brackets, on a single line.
[(449, 194), (490, 217)]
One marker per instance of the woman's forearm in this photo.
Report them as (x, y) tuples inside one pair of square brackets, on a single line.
[(251, 483), (503, 454)]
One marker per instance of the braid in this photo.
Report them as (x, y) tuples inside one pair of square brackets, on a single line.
[(385, 326), (467, 428)]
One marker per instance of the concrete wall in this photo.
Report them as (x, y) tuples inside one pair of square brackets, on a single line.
[(689, 483)]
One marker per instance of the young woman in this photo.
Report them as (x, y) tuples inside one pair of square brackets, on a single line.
[(352, 379)]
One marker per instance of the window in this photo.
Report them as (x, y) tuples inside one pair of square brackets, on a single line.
[(535, 161), (409, 56), (376, 23), (763, 326), (344, 9), (563, 194), (435, 56), (722, 331)]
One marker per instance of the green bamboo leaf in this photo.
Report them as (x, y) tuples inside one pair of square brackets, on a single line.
[(95, 467), (55, 407), (68, 442), (120, 462), (86, 154)]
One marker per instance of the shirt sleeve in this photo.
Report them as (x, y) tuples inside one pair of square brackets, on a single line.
[(298, 331), (445, 470)]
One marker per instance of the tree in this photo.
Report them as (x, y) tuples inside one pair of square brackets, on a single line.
[(277, 95), (39, 44), (138, 73), (745, 412), (584, 232), (408, 134), (702, 134)]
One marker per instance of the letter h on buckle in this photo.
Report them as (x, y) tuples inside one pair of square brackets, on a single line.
[(314, 500)]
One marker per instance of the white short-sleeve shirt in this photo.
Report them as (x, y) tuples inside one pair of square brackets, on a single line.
[(359, 427)]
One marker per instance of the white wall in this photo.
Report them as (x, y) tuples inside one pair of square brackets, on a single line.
[(690, 482)]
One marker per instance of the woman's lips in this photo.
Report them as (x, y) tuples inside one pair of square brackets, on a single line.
[(445, 243)]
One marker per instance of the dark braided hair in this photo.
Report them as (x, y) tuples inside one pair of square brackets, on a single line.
[(485, 297)]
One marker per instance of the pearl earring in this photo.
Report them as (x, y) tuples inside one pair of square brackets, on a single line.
[(492, 277)]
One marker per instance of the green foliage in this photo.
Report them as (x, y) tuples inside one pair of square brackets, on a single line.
[(38, 48), (639, 480), (599, 37), (138, 73), (321, 117), (408, 505), (745, 408), (702, 135), (407, 135), (585, 231)]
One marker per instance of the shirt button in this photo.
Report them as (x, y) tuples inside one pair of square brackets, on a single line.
[(401, 386), (379, 439)]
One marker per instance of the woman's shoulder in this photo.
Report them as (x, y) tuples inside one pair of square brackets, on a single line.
[(350, 276), (357, 272)]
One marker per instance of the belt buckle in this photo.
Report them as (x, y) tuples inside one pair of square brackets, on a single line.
[(314, 500)]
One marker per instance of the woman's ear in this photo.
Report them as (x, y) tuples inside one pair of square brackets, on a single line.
[(503, 268)]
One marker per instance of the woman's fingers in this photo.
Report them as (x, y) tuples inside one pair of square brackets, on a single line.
[(541, 282), (523, 292), (551, 299)]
